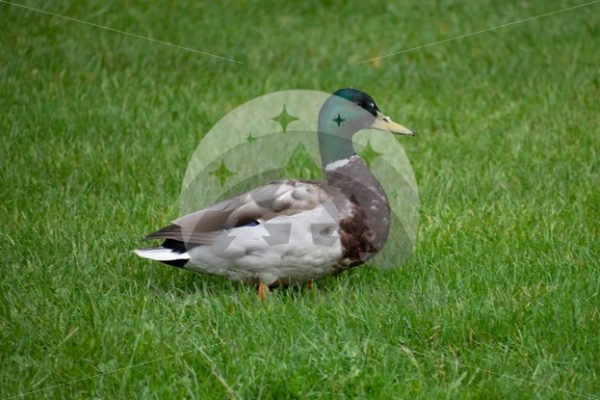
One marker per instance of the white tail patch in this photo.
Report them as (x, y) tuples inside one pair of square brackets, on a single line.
[(161, 254)]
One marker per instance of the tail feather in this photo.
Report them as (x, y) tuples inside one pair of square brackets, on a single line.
[(164, 255)]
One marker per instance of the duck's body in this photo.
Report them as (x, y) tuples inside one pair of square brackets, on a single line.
[(292, 231), (284, 232)]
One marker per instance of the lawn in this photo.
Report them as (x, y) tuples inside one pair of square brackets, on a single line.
[(499, 300)]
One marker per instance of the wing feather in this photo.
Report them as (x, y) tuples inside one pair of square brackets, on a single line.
[(276, 198)]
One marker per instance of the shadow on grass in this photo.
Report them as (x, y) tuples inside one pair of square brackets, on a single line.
[(180, 282)]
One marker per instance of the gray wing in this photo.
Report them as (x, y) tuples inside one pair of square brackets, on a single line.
[(276, 198)]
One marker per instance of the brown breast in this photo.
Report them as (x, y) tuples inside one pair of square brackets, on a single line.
[(365, 228)]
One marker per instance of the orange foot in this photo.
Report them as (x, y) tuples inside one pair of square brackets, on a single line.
[(309, 284), (263, 291)]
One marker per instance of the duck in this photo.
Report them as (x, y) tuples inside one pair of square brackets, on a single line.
[(293, 231)]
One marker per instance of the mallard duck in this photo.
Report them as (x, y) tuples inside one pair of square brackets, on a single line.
[(292, 231)]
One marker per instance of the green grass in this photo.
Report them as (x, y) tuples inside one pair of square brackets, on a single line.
[(500, 299)]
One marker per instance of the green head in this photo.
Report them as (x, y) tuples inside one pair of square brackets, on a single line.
[(343, 114)]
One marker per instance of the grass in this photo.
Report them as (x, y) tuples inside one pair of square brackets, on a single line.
[(500, 299)]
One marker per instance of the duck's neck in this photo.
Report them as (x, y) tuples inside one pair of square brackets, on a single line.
[(334, 148), (342, 167), (335, 141)]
